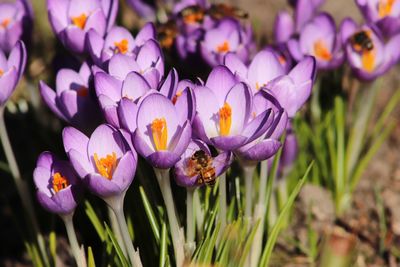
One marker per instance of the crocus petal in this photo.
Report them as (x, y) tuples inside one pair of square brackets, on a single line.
[(127, 112), (134, 86), (17, 58), (101, 186), (74, 139), (258, 125), (74, 39), (41, 176), (104, 141), (108, 86), (169, 85), (49, 97), (125, 170), (67, 80), (110, 8), (236, 65), (260, 151), (293, 46), (80, 163), (220, 81), (207, 111), (8, 83), (186, 105), (147, 32), (149, 56), (181, 140), (283, 27), (304, 70), (228, 143), (95, 45), (96, 21), (120, 65), (163, 159), (347, 28)]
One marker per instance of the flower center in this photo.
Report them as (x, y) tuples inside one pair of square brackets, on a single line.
[(195, 17), (258, 86), (321, 51), (160, 133), (105, 166), (5, 23), (225, 119), (82, 91), (1, 72), (368, 60), (282, 60), (79, 21), (385, 7), (121, 47), (223, 48), (175, 98), (59, 182)]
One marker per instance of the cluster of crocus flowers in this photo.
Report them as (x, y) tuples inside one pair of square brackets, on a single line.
[(71, 20), (15, 23), (11, 70)]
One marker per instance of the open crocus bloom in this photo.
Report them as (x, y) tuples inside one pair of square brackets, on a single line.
[(224, 108), (15, 23), (318, 38), (189, 174), (367, 53), (293, 90), (72, 19), (266, 145), (104, 160), (385, 13), (227, 36), (11, 70), (264, 67), (72, 100), (117, 40), (162, 135), (58, 188)]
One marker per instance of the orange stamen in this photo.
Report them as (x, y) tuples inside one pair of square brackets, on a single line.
[(82, 91), (5, 23), (368, 60), (175, 98), (193, 18), (223, 48), (282, 60), (160, 133), (59, 182), (1, 72), (121, 47), (385, 7), (225, 119), (321, 51), (106, 166), (79, 21)]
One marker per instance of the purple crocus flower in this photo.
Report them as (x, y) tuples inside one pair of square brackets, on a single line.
[(284, 27), (318, 38), (305, 10), (264, 67), (58, 187), (293, 90), (15, 23), (224, 108), (72, 100), (72, 19), (11, 70), (367, 52), (117, 40), (185, 171), (268, 144), (162, 135), (105, 161), (228, 36), (384, 13)]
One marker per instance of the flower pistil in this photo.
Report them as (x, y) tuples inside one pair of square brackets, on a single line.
[(225, 119), (160, 133)]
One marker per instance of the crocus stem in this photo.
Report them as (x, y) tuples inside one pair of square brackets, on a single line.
[(248, 182), (222, 201), (21, 185), (178, 239), (190, 223), (73, 242), (116, 229), (259, 214), (116, 203)]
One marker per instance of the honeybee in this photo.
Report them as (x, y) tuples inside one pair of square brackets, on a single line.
[(167, 33), (220, 11), (192, 14), (200, 163), (361, 41)]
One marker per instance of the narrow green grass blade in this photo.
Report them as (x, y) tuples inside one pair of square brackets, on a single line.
[(340, 178), (163, 246), (90, 260), (210, 247), (391, 105), (150, 215), (116, 246), (266, 255), (369, 154), (94, 219), (248, 244)]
